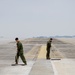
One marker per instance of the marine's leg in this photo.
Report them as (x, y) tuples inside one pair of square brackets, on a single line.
[(16, 58), (48, 54), (23, 58)]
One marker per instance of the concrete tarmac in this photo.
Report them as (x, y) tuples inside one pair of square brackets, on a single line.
[(62, 60)]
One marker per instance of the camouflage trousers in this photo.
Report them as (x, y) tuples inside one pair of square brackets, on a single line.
[(21, 56), (48, 54)]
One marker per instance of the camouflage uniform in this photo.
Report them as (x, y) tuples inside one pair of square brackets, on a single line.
[(48, 50), (20, 53)]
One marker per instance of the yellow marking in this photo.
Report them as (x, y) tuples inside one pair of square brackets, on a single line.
[(42, 53)]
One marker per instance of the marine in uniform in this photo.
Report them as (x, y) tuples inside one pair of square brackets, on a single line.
[(48, 48), (20, 52)]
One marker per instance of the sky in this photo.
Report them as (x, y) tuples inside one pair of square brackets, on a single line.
[(31, 18)]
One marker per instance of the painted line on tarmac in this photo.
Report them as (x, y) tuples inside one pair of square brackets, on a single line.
[(54, 69)]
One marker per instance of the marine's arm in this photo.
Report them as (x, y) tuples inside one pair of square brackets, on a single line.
[(18, 46)]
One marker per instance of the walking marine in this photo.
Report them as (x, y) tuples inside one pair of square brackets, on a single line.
[(48, 48), (19, 52)]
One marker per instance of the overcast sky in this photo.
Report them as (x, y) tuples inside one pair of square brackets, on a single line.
[(30, 18)]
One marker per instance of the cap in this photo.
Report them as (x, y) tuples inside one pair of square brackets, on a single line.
[(16, 38)]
